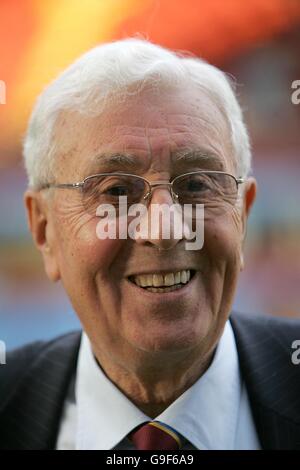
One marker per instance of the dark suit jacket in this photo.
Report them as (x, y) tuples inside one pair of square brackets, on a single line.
[(35, 381)]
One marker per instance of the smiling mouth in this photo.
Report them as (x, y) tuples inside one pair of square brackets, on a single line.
[(159, 283)]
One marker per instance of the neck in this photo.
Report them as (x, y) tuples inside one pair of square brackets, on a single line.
[(153, 383)]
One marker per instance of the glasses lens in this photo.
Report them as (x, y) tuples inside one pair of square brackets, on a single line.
[(107, 189), (204, 188)]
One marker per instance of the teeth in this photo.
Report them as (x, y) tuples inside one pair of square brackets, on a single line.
[(169, 279), (164, 289), (183, 277), (144, 281), (159, 280)]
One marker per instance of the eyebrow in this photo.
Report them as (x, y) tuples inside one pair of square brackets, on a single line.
[(199, 157), (129, 162), (122, 161)]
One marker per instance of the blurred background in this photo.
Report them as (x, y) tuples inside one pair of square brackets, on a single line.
[(257, 41)]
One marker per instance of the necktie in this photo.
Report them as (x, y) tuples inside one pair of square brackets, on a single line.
[(155, 436)]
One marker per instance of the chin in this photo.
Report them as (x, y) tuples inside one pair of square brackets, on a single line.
[(168, 339)]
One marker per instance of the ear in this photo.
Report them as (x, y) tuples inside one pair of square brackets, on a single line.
[(42, 230), (249, 196)]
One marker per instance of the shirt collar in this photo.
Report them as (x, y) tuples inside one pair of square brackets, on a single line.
[(105, 415), (206, 414)]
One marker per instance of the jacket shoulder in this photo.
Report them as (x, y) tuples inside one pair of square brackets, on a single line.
[(266, 347), (33, 386), (282, 331), (20, 361), (16, 364)]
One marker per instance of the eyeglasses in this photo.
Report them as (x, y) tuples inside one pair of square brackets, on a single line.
[(197, 187)]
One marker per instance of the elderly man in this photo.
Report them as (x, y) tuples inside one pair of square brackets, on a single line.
[(162, 362)]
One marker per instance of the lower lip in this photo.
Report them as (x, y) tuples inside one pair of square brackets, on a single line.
[(175, 294)]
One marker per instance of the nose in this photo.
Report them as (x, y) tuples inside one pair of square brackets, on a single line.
[(164, 220)]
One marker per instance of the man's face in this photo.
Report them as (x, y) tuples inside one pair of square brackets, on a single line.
[(122, 319)]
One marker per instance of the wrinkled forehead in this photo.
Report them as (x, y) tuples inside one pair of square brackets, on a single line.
[(151, 128)]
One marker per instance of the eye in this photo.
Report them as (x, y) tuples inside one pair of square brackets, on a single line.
[(197, 184), (117, 191), (103, 189), (194, 184), (114, 187)]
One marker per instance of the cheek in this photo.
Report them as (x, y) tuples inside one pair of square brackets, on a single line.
[(222, 248), (81, 253), (222, 237)]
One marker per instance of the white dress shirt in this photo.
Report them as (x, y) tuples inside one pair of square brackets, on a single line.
[(213, 414)]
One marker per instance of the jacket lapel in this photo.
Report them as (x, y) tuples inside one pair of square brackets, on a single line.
[(272, 380)]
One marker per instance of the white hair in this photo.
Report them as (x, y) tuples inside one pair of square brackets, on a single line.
[(115, 70)]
